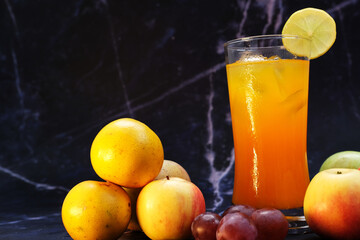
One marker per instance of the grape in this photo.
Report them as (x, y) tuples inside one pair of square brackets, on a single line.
[(270, 223), (245, 209), (236, 226), (204, 226)]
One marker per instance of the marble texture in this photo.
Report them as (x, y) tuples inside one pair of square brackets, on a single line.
[(67, 68)]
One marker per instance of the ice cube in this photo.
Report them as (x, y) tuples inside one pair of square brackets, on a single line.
[(295, 101), (247, 57), (251, 57), (275, 57)]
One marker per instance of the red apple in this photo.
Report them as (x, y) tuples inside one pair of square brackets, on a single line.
[(169, 169), (167, 207), (332, 204)]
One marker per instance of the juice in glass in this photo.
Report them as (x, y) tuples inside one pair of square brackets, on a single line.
[(268, 92)]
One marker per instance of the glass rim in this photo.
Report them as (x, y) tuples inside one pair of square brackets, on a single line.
[(263, 37)]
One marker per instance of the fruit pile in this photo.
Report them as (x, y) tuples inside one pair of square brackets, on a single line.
[(141, 191), (144, 192), (241, 222)]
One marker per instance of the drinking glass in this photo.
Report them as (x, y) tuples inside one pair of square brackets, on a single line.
[(268, 93)]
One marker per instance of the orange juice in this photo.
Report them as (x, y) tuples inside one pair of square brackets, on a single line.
[(268, 100)]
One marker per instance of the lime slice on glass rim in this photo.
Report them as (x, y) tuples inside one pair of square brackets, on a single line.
[(310, 23)]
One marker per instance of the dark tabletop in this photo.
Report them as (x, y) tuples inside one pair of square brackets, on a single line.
[(49, 227)]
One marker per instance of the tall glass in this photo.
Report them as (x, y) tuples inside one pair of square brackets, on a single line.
[(268, 91)]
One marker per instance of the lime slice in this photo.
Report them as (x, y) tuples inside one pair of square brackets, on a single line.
[(314, 24)]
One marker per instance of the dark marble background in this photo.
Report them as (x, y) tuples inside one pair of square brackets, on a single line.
[(67, 68)]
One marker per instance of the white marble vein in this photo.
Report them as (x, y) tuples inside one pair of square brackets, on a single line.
[(17, 79), (182, 85), (26, 218), (279, 18), (117, 62), (244, 17), (270, 14), (216, 175), (91, 72), (147, 60), (209, 151), (169, 34), (337, 9), (13, 19), (37, 185), (274, 16), (340, 6)]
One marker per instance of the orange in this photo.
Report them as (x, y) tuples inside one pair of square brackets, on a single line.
[(127, 152), (96, 210)]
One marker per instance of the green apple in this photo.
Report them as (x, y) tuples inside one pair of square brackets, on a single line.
[(345, 159)]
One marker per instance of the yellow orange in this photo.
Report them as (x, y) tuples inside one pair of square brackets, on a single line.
[(127, 152), (96, 210)]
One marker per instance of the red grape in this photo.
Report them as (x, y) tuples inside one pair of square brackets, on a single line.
[(270, 223), (236, 226), (204, 226), (245, 209)]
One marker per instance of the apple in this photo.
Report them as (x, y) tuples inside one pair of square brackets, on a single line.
[(345, 159), (172, 169), (331, 204), (168, 169), (167, 207)]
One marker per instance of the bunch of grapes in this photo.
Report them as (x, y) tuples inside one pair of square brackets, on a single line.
[(241, 222)]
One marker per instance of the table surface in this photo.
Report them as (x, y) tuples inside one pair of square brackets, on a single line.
[(50, 227)]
